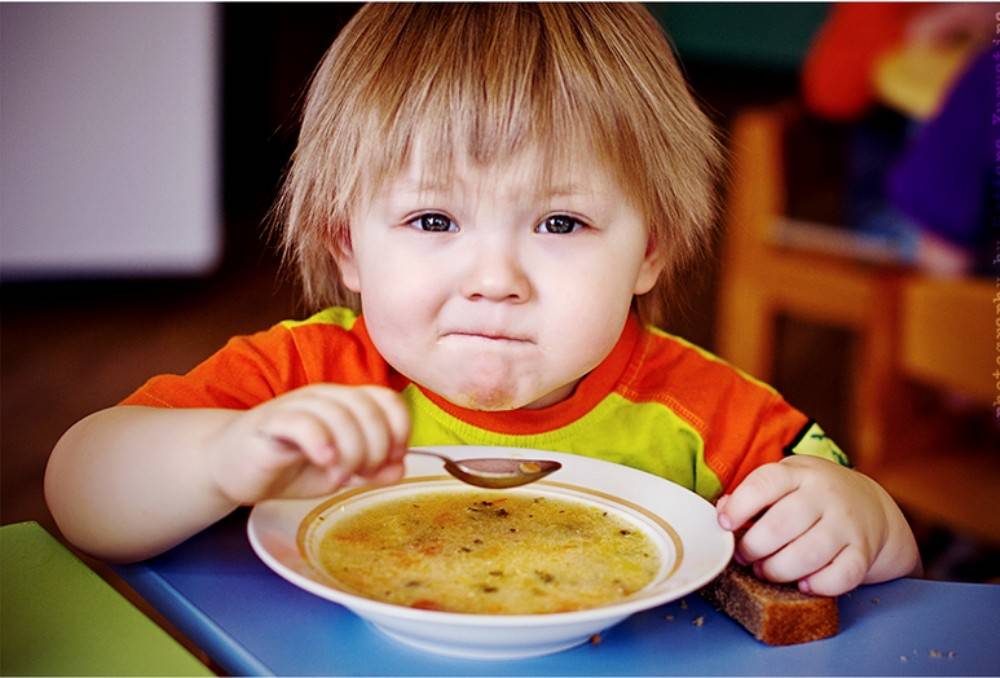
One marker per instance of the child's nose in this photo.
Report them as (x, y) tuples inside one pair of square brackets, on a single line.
[(497, 276)]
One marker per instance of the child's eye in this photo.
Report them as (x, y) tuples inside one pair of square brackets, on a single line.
[(558, 224), (433, 223)]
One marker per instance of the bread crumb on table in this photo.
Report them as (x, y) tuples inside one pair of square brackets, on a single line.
[(903, 658), (935, 653), (595, 639), (698, 621), (669, 617)]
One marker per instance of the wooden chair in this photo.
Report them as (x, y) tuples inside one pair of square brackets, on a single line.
[(941, 465), (913, 334), (773, 266)]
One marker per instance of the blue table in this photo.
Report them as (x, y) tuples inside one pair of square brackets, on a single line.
[(252, 622)]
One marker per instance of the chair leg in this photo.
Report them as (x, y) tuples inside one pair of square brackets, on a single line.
[(874, 393)]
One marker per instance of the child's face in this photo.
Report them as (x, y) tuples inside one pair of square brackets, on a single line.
[(491, 295)]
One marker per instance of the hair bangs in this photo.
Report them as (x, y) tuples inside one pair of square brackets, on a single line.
[(438, 85), (482, 86)]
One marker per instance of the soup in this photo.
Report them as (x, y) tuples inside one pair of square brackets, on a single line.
[(489, 553)]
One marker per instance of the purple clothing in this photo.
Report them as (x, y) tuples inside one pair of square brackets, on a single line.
[(945, 178)]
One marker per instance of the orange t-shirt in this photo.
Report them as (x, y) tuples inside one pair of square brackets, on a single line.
[(656, 402)]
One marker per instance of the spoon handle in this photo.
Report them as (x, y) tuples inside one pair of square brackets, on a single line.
[(427, 453)]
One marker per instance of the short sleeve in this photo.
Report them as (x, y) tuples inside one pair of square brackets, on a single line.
[(813, 441), (783, 430), (245, 372)]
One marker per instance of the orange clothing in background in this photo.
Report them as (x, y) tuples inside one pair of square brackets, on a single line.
[(837, 78)]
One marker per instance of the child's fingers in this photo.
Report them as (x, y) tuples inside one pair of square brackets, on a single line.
[(358, 424), (353, 429), (299, 432), (383, 421), (350, 440), (389, 473), (720, 503), (811, 552), (337, 439), (314, 481), (782, 523), (398, 418), (764, 486), (373, 423), (844, 573)]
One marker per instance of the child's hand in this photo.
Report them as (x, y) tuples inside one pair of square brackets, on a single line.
[(827, 526), (310, 442), (940, 258), (952, 23)]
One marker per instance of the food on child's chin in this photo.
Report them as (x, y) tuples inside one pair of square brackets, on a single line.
[(489, 553)]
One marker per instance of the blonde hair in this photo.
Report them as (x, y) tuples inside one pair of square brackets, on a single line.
[(488, 80)]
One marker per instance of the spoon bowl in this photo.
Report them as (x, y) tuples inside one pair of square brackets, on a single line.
[(494, 473)]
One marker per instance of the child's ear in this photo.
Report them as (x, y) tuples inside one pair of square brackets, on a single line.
[(652, 266), (343, 253)]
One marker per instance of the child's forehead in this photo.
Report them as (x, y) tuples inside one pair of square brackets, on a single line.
[(533, 171)]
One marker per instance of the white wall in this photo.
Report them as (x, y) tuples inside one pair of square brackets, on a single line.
[(109, 139)]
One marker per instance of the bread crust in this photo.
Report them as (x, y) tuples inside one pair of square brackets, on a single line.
[(776, 614)]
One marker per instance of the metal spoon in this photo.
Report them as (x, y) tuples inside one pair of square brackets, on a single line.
[(495, 473)]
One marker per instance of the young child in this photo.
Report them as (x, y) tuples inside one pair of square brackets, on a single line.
[(506, 192)]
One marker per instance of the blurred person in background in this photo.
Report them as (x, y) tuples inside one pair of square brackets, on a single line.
[(922, 186), (944, 177)]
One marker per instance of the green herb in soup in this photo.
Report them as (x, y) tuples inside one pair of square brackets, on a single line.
[(489, 553)]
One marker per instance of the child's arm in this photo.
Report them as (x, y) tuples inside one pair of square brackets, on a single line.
[(827, 526), (127, 483)]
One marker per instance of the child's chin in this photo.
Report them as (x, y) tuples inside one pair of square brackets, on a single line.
[(486, 401), (485, 396)]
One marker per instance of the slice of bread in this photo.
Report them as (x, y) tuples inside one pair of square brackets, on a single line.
[(776, 614)]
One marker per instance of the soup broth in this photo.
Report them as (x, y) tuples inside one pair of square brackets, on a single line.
[(489, 553)]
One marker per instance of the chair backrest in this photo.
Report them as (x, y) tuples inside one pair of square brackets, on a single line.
[(757, 191), (948, 331)]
